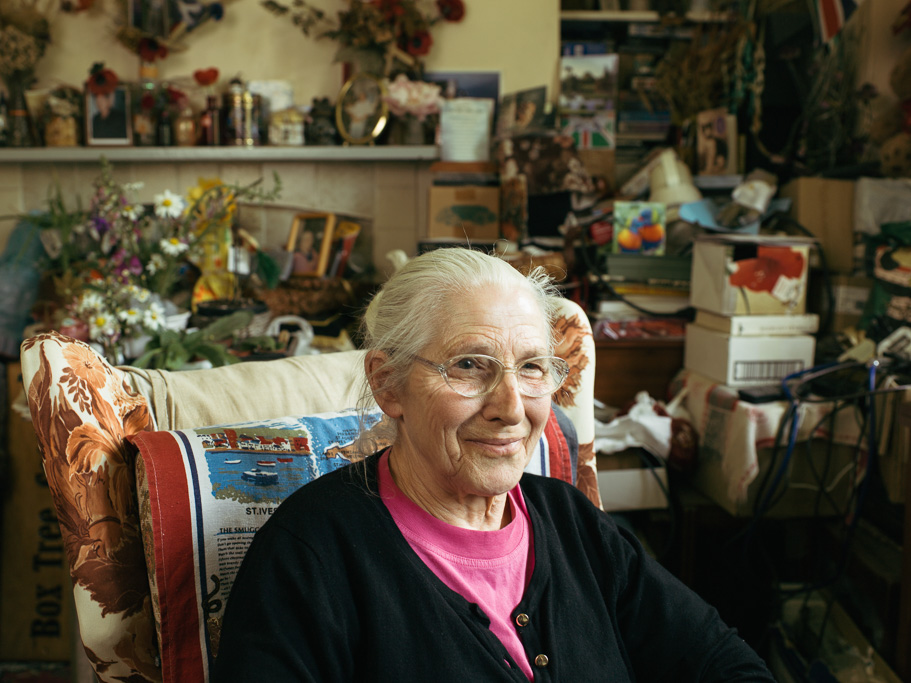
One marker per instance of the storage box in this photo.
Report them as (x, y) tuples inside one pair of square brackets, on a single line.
[(737, 274), (849, 296), (798, 493), (746, 361), (625, 483), (825, 207), (464, 211), (759, 325)]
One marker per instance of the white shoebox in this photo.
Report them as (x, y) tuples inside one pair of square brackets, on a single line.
[(746, 361)]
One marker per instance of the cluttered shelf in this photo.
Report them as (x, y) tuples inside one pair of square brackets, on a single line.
[(29, 155), (631, 16)]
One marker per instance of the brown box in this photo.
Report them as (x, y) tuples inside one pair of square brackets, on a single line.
[(464, 211), (796, 494), (849, 296), (825, 207), (35, 585)]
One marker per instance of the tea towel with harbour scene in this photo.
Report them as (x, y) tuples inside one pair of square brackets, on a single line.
[(204, 492)]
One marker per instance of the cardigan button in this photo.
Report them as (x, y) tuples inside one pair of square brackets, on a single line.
[(541, 661), (522, 620)]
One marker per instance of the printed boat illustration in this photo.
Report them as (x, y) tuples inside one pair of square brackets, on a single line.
[(266, 463), (260, 478), (285, 459), (232, 462)]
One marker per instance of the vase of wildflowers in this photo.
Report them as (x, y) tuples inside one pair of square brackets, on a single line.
[(125, 269)]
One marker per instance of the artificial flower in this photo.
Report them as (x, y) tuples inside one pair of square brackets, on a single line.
[(101, 81), (417, 98), (205, 77), (378, 33), (151, 49), (451, 10)]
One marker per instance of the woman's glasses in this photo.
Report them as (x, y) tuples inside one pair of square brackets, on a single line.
[(472, 375)]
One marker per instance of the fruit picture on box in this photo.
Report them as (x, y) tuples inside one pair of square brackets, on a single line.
[(639, 228)]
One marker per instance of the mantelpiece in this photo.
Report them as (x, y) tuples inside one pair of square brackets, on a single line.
[(29, 155), (388, 185)]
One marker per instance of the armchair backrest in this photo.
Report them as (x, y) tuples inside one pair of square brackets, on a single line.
[(85, 410)]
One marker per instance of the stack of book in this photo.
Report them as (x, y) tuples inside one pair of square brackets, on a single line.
[(649, 290)]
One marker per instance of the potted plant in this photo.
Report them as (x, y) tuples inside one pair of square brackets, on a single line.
[(181, 349)]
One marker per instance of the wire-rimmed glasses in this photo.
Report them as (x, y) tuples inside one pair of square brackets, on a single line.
[(473, 374)]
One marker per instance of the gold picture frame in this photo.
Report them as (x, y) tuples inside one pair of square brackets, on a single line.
[(310, 243), (361, 111)]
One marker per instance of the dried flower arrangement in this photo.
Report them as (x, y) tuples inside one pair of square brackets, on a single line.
[(158, 33), (380, 35), (25, 34)]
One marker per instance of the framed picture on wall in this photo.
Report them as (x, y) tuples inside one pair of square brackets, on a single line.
[(310, 243), (106, 117)]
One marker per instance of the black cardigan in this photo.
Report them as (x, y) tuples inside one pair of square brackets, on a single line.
[(331, 591)]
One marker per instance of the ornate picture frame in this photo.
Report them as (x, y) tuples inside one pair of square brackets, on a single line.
[(361, 111), (310, 243)]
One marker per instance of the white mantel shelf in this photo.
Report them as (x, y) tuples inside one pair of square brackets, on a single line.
[(45, 155)]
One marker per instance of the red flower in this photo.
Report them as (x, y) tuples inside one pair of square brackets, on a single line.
[(174, 95), (206, 77), (150, 50), (101, 81), (147, 101), (389, 8), (418, 44), (451, 10)]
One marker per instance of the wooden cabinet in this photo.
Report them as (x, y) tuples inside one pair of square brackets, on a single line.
[(624, 368)]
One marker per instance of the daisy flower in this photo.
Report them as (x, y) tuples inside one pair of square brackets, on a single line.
[(102, 325), (169, 205), (173, 246)]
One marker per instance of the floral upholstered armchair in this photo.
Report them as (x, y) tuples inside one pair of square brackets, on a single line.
[(160, 478)]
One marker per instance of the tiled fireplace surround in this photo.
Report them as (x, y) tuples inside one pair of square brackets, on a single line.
[(388, 186)]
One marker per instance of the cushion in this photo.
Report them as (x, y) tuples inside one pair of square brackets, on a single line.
[(204, 492)]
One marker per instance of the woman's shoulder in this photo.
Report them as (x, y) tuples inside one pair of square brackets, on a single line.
[(337, 494)]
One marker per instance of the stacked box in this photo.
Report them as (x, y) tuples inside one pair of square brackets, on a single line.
[(751, 328)]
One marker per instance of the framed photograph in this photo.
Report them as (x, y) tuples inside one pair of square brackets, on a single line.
[(310, 243), (106, 118), (716, 142), (361, 111), (343, 238)]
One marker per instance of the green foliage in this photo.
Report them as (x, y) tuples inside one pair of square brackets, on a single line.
[(173, 349)]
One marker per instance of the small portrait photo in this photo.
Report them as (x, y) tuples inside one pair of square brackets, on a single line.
[(716, 139), (361, 110), (106, 117), (310, 242)]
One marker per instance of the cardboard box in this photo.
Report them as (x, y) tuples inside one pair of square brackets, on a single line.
[(759, 325), (737, 274), (464, 211), (825, 207), (796, 494), (849, 297), (746, 361)]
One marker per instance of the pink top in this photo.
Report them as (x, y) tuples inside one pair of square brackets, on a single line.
[(490, 568)]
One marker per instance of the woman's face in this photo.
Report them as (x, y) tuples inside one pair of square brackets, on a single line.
[(462, 447)]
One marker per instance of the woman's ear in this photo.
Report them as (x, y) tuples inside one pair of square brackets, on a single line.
[(377, 376)]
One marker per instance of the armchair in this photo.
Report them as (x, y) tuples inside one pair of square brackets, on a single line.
[(124, 451)]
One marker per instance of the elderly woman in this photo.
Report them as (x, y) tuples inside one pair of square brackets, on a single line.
[(438, 559)]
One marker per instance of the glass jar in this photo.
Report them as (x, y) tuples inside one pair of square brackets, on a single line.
[(210, 123), (185, 128)]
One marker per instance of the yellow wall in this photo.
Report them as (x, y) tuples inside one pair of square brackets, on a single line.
[(519, 38)]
